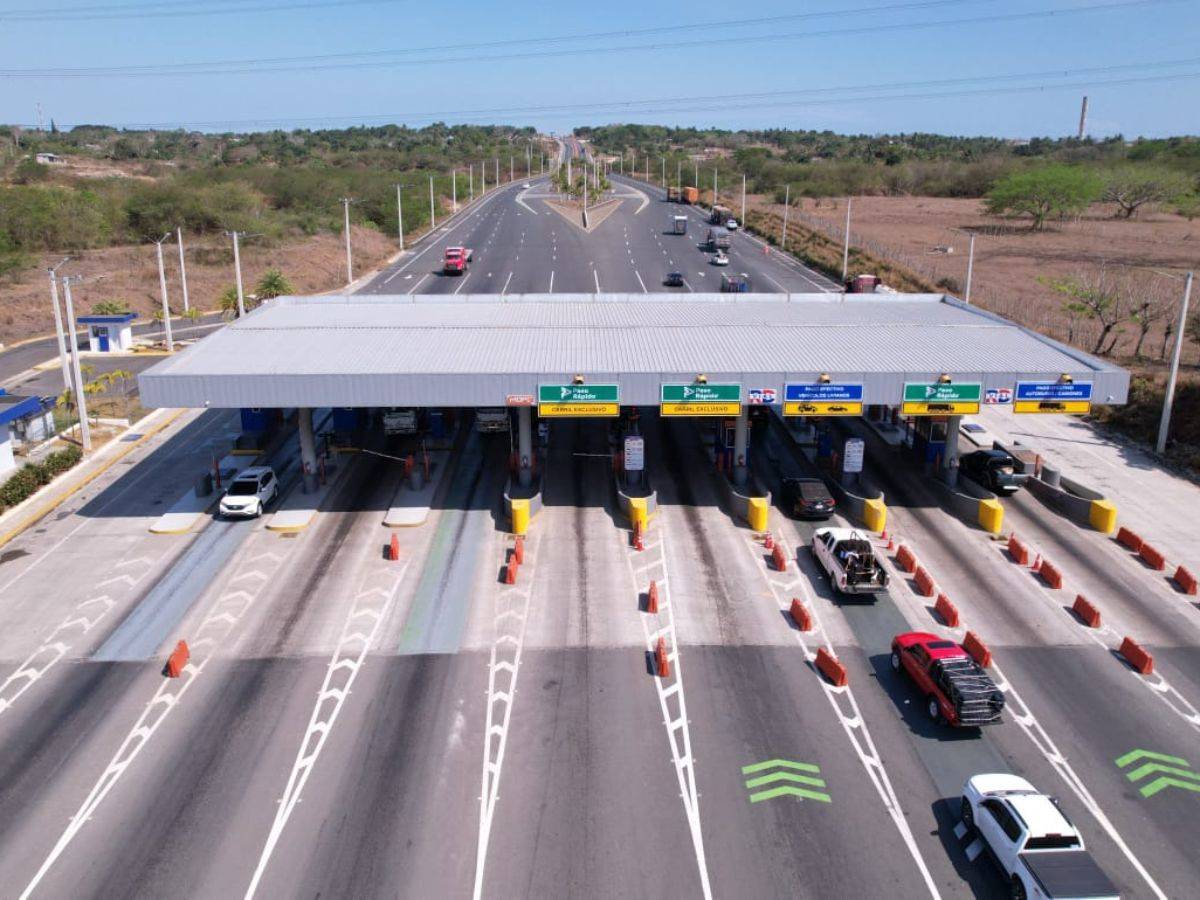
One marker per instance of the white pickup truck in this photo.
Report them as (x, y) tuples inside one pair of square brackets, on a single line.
[(849, 560), (1032, 840)]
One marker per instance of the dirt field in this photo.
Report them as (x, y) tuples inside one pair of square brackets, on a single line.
[(127, 273), (930, 236)]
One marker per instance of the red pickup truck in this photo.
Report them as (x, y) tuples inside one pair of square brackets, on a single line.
[(456, 260), (957, 689)]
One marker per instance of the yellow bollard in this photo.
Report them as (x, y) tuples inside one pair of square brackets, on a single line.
[(875, 515), (1103, 516), (991, 515), (638, 515), (756, 513), (520, 516)]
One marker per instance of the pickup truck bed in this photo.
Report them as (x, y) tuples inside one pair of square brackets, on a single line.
[(1069, 874)]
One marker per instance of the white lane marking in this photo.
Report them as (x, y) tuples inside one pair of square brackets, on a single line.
[(504, 665), (1042, 741), (504, 289), (374, 599), (653, 556), (853, 724), (642, 283), (596, 275), (418, 284), (688, 286), (212, 634), (462, 281), (776, 283), (550, 290)]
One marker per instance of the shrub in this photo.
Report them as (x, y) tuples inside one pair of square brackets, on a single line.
[(26, 480)]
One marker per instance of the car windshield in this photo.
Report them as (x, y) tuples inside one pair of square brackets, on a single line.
[(245, 488), (941, 645)]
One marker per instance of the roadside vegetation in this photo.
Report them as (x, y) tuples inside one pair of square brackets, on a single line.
[(30, 477)]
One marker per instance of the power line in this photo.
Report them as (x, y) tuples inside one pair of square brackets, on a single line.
[(309, 63), (166, 11), (696, 103)]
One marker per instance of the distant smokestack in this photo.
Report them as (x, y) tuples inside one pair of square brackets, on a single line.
[(1083, 119)]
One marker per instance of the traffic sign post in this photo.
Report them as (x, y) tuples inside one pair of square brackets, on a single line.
[(579, 400), (822, 399), (941, 398), (700, 399), (1061, 397)]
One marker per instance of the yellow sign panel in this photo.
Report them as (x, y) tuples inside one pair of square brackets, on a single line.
[(798, 408), (564, 410), (700, 409), (940, 409), (1068, 407)]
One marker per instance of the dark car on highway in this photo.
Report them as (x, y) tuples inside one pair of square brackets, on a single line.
[(674, 279), (995, 470), (807, 498)]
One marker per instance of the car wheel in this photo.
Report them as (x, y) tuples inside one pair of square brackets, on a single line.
[(935, 711), (1017, 891), (895, 660), (967, 815)]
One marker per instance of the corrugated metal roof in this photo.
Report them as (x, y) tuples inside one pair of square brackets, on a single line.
[(412, 350)]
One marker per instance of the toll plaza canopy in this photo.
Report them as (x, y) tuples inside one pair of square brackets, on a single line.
[(478, 350)]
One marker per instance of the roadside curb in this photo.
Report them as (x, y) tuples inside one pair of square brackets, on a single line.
[(58, 501)]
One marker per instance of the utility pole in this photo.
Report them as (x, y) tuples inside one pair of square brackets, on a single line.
[(471, 182), (787, 188), (1083, 118), (714, 203), (58, 324), (1164, 425), (970, 268), (846, 244), (511, 170), (497, 178), (679, 174), (454, 190), (182, 267), (432, 216), (346, 201), (483, 178), (664, 172), (647, 168), (162, 284), (400, 217), (80, 401), (696, 173), (237, 269), (743, 220), (621, 164)]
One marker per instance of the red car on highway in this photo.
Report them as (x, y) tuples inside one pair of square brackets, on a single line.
[(957, 689)]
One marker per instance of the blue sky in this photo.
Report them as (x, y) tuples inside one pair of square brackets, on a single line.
[(735, 60)]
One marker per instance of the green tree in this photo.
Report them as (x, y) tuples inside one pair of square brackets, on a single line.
[(273, 284), (228, 302), (1095, 296), (110, 308), (1045, 192), (1132, 186)]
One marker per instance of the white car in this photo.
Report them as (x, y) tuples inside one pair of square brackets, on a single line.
[(1035, 844), (720, 259), (732, 225), (249, 493)]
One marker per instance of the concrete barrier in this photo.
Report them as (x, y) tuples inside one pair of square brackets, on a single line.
[(1073, 500), (646, 499), (1086, 611), (178, 660), (969, 502), (874, 513), (1103, 516), (1017, 550), (991, 515), (829, 666), (522, 509), (947, 610), (1130, 540), (749, 504), (977, 649), (758, 513), (1185, 579), (906, 559), (925, 585), (800, 615), (1050, 574), (1152, 557), (1137, 656)]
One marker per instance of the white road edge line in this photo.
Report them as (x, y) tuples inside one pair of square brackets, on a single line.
[(642, 283), (550, 290)]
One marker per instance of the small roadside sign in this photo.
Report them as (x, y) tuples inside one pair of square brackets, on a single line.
[(822, 399), (578, 400), (852, 455), (700, 399), (519, 400), (1061, 397), (941, 398), (635, 454)]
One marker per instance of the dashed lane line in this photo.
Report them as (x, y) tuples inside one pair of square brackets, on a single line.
[(783, 587), (642, 283), (420, 281), (504, 665), (550, 290), (371, 605), (504, 290)]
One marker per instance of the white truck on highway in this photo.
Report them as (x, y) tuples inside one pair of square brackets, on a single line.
[(679, 224), (849, 560), (400, 421), (1032, 840)]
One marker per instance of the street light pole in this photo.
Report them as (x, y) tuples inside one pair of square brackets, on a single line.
[(664, 171), (471, 182), (846, 244), (162, 284), (237, 269), (80, 403), (787, 188), (743, 201), (714, 203), (400, 216), (182, 267), (497, 172), (1164, 425), (970, 268), (511, 170), (58, 324), (346, 201), (454, 190), (432, 215)]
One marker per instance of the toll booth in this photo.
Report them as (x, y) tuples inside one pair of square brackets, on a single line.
[(109, 334), (928, 439), (13, 410)]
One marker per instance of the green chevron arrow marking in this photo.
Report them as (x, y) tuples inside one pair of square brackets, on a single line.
[(789, 789), (1189, 780)]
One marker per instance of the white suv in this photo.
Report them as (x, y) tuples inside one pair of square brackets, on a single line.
[(250, 492)]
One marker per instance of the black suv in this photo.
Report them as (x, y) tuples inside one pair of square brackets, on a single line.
[(674, 279), (995, 470), (807, 498)]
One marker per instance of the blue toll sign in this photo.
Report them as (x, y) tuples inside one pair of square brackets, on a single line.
[(823, 393), (1053, 390)]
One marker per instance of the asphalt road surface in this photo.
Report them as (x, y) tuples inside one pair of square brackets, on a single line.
[(353, 725)]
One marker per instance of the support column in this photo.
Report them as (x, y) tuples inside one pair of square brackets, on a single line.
[(524, 446), (740, 469), (308, 449), (949, 473)]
